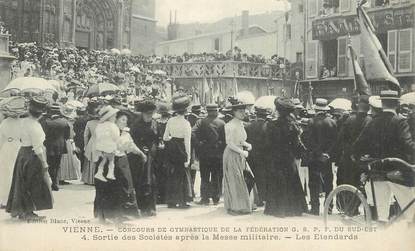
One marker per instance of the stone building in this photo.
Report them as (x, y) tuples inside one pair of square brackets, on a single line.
[(89, 24)]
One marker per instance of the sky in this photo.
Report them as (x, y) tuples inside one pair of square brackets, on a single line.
[(189, 11)]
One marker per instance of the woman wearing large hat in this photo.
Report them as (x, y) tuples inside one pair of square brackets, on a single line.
[(177, 137), (285, 196), (238, 193), (31, 186), (12, 108)]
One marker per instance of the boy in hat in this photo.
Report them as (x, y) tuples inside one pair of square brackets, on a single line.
[(107, 135)]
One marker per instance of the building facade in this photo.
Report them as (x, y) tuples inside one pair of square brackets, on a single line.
[(89, 24), (328, 25)]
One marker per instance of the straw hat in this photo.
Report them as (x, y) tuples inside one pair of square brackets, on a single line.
[(180, 103), (107, 112), (68, 111), (13, 106), (321, 105), (284, 104), (38, 104)]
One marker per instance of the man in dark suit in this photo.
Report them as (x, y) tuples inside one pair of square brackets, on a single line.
[(209, 133), (388, 136), (57, 131), (259, 157), (323, 135)]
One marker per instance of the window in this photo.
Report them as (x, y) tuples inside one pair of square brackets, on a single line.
[(288, 31), (392, 44), (311, 60), (344, 5), (342, 56), (405, 50), (312, 6), (299, 57), (300, 8), (217, 44)]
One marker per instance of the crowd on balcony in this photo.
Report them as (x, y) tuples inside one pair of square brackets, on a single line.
[(231, 55)]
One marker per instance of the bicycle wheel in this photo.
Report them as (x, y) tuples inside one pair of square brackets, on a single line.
[(348, 205)]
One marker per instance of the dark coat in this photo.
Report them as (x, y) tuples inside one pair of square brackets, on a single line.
[(284, 195), (57, 131), (323, 136), (79, 129), (387, 135), (209, 137)]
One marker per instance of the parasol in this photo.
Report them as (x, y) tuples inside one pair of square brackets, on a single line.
[(266, 102), (30, 84), (341, 104), (115, 51), (101, 88), (246, 97), (408, 98)]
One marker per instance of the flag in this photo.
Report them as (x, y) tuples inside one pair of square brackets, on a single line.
[(361, 87), (210, 98), (377, 65), (205, 91), (309, 102)]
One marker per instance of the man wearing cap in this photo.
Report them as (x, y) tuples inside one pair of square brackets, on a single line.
[(57, 131), (348, 172), (258, 158), (388, 136), (144, 134), (209, 135), (323, 135)]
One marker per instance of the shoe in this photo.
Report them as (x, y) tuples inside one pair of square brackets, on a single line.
[(110, 177), (203, 202), (100, 177), (33, 216), (62, 182), (55, 187), (171, 206), (184, 206)]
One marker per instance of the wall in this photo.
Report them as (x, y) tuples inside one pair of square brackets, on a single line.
[(143, 27)]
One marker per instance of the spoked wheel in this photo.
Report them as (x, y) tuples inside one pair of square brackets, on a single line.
[(348, 205)]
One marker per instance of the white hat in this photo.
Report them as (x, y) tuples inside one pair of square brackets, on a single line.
[(107, 112)]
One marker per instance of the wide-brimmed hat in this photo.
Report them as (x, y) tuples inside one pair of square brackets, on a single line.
[(321, 104), (236, 104), (163, 108), (107, 112), (68, 111), (212, 107), (196, 108), (54, 109), (38, 104), (297, 103), (145, 105), (180, 103), (389, 95), (13, 106), (284, 104)]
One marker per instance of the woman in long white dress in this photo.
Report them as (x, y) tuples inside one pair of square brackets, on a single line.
[(9, 143)]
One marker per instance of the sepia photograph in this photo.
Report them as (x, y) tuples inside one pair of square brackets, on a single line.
[(188, 125)]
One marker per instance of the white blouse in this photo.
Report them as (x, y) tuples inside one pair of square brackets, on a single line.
[(9, 131), (179, 127), (32, 135), (235, 135)]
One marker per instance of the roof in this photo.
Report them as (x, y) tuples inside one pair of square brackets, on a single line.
[(144, 18)]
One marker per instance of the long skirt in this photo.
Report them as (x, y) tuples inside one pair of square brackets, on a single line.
[(30, 190), (70, 164), (116, 198), (236, 196), (179, 184), (88, 172), (285, 195), (8, 155)]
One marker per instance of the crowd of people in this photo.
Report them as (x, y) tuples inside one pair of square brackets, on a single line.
[(140, 157)]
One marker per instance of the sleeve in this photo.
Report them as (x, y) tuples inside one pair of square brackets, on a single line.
[(405, 140), (166, 136), (187, 139), (196, 131), (230, 139), (37, 137)]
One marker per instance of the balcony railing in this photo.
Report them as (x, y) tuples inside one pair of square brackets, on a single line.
[(221, 69)]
